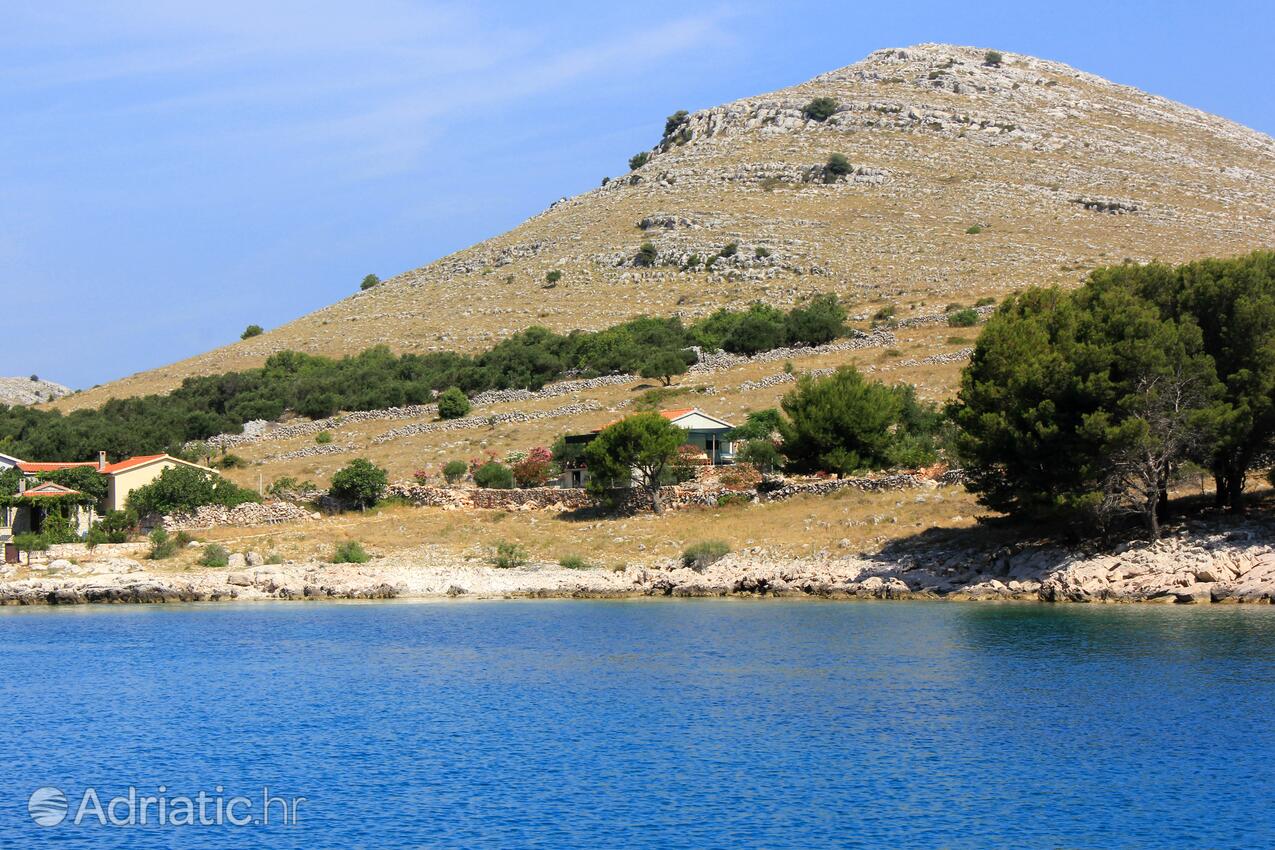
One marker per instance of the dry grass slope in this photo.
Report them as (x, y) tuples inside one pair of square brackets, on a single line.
[(1061, 170)]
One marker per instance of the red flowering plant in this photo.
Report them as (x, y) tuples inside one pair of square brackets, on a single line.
[(534, 468)]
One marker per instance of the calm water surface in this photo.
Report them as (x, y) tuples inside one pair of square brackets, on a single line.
[(650, 723)]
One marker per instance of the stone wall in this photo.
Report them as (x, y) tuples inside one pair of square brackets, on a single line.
[(866, 484), (530, 498), (247, 514), (485, 421)]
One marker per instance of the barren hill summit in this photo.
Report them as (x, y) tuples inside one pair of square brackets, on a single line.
[(30, 390), (917, 177)]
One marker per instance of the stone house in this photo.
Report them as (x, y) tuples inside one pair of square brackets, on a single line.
[(122, 478), (704, 432)]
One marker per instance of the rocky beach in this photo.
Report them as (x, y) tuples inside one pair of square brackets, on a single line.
[(1200, 563)]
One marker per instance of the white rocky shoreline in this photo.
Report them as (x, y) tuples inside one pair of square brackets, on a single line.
[(1200, 564)]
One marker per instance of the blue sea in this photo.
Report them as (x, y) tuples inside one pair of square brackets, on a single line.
[(649, 723)]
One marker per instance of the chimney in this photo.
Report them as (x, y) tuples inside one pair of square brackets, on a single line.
[(22, 485), (101, 461)]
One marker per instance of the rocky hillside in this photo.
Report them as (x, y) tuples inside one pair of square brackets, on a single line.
[(30, 390), (964, 180)]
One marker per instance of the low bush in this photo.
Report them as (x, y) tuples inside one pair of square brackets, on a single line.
[(985, 301), (114, 527), (455, 470), (274, 558), (647, 254), (494, 475), (821, 109), (698, 556), (230, 461), (162, 545), (761, 252), (453, 403), (837, 166), (369, 281), (638, 160), (884, 314), (506, 555), (762, 454), (573, 562), (350, 552), (725, 500), (965, 318), (974, 229), (553, 276), (994, 58), (251, 331), (214, 555), (323, 438)]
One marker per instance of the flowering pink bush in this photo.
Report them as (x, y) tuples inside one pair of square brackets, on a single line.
[(534, 469)]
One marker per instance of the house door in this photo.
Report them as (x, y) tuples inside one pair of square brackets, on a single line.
[(11, 553)]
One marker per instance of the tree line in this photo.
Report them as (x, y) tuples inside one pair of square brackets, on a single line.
[(317, 386)]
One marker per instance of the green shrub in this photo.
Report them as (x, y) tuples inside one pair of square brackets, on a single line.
[(729, 249), (819, 321), (837, 166), (182, 489), (114, 527), (494, 475), (323, 438), (761, 454), (360, 483), (761, 252), (350, 552), (453, 403), (985, 301), (884, 314), (162, 545), (455, 470), (369, 282), (553, 276), (507, 555), (646, 255), (675, 121), (993, 58), (274, 558), (230, 461), (958, 340), (573, 562), (698, 556), (725, 500), (974, 229), (821, 109), (251, 331), (638, 160), (963, 318), (214, 555)]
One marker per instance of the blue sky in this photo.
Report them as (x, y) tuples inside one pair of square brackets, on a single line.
[(171, 172)]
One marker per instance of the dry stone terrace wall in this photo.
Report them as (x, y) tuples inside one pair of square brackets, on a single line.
[(866, 484), (485, 421), (248, 514), (529, 498)]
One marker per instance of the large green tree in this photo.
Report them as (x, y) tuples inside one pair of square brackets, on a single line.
[(639, 448), (843, 423)]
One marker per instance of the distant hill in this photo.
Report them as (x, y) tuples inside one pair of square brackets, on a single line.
[(28, 391), (960, 179)]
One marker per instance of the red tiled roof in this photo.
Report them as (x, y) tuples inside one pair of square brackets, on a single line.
[(40, 466), (129, 463), (676, 414)]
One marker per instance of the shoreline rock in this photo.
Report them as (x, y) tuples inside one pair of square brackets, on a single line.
[(1197, 566)]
